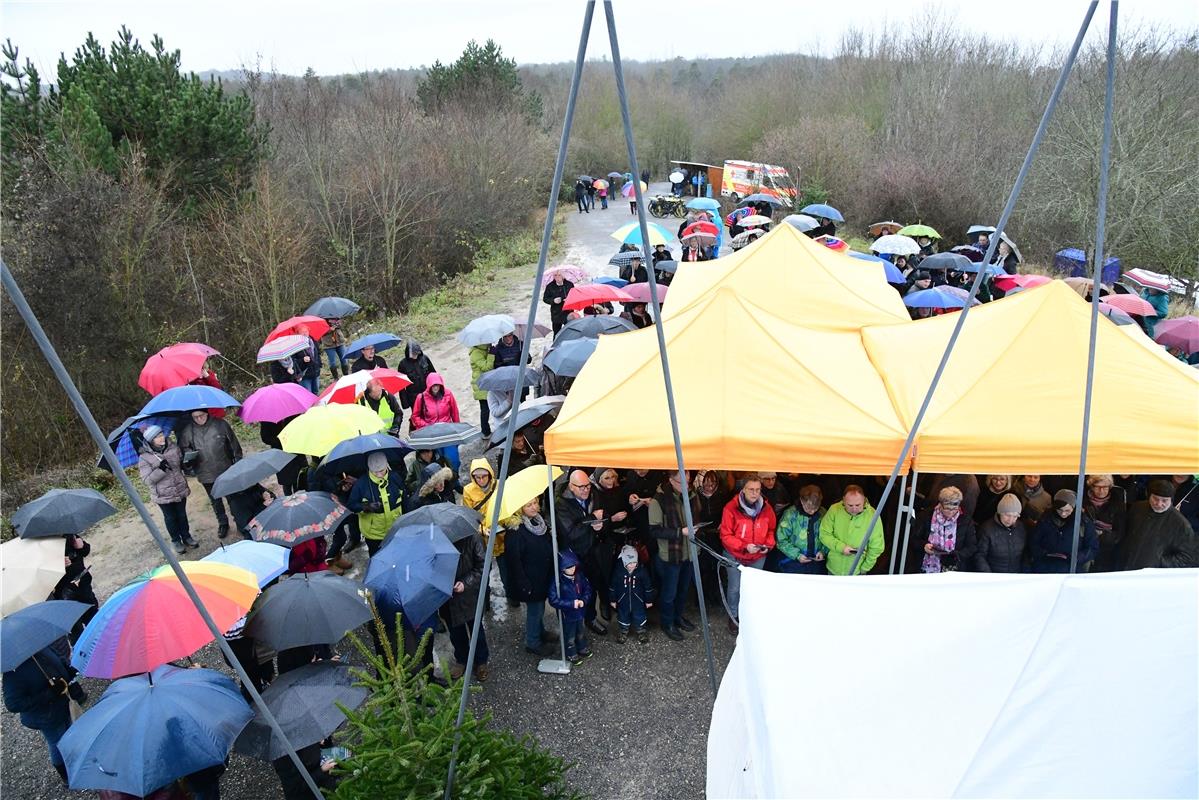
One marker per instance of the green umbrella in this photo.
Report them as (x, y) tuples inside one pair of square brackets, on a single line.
[(919, 230)]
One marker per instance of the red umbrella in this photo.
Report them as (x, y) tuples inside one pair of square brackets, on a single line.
[(1131, 304), (348, 388), (177, 365), (1181, 332), (591, 293), (639, 292), (317, 327), (1009, 282), (700, 229)]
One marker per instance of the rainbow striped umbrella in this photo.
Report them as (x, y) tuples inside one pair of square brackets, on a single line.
[(152, 621)]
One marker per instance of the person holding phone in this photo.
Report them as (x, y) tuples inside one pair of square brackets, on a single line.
[(945, 534), (747, 534), (843, 528)]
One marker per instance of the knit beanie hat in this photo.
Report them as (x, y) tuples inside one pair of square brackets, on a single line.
[(628, 555), (376, 462), (1161, 488), (150, 433), (1008, 504), (1064, 497)]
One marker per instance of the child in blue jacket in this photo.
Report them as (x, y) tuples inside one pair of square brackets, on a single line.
[(631, 593), (571, 594)]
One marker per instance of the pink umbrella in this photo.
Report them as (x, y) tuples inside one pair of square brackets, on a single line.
[(177, 365), (1131, 304), (1149, 280), (1009, 282), (277, 402), (639, 292), (592, 293), (1180, 332), (568, 271)]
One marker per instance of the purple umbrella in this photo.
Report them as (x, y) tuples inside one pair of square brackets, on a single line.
[(1181, 332), (277, 402)]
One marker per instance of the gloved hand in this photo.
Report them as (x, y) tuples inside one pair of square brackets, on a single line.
[(373, 508), (76, 693)]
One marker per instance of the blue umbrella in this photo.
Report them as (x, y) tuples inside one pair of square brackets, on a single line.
[(934, 298), (147, 731), (608, 280), (332, 308), (25, 632), (121, 443), (820, 210), (704, 204), (187, 398), (379, 341), (350, 456), (267, 561), (415, 572), (568, 358), (893, 273)]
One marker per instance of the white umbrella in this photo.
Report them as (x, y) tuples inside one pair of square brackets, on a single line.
[(29, 571), (896, 245)]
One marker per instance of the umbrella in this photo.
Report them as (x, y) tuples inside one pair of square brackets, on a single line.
[(994, 270), (528, 412), (348, 388), (177, 365), (62, 512), (379, 341), (704, 228), (275, 402), (568, 271), (265, 560), (919, 230), (1003, 237), (121, 441), (700, 238), (625, 257), (1009, 282), (1180, 332), (676, 177), (520, 488), (187, 398), (600, 183), (307, 703), (1131, 304), (639, 292), (629, 189), (31, 568), (415, 572), (890, 227), (539, 330), (802, 222), (350, 456), (704, 204), (152, 621), (568, 358), (954, 262), (833, 243), (317, 327), (31, 629), (319, 429), (503, 379), (665, 265), (631, 234), (308, 608), (297, 518), (762, 197), (149, 730), (586, 178), (455, 521), (823, 211), (1149, 280), (281, 348), (592, 293), (938, 297), (594, 326), (443, 434), (1083, 286), (892, 272), (754, 220), (618, 175), (332, 308), (487, 329), (969, 251), (608, 280), (1115, 315), (895, 245), (977, 229), (250, 470)]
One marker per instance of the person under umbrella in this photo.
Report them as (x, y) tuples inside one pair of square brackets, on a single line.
[(308, 361), (333, 343), (40, 690), (475, 496), (383, 403), (638, 314), (554, 296), (207, 377), (367, 360), (160, 464), (693, 251), (634, 271), (438, 486), (417, 366), (377, 498), (482, 360), (458, 613), (76, 584), (414, 470), (218, 449), (348, 535)]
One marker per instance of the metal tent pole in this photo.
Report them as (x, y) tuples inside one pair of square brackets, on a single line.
[(553, 666), (978, 278), (89, 422), (1100, 232), (653, 283), (903, 488), (506, 459), (907, 523)]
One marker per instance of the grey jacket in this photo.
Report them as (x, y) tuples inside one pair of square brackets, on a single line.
[(218, 447), (163, 473)]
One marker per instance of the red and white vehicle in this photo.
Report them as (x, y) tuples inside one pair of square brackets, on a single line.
[(743, 178)]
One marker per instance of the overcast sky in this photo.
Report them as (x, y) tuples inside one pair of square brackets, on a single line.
[(357, 35)]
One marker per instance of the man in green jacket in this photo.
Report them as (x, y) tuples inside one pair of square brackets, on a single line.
[(481, 360), (842, 529)]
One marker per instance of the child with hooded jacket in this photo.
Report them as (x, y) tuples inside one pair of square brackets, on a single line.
[(571, 594), (632, 593)]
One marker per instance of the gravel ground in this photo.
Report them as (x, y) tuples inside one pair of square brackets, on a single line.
[(633, 719)]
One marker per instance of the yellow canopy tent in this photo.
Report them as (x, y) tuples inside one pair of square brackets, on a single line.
[(795, 278), (753, 392), (1011, 398)]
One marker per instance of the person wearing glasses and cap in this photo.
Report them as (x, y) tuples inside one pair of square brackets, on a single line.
[(377, 499), (945, 535), (581, 524)]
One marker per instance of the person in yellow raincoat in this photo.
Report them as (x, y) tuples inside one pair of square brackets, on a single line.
[(476, 494)]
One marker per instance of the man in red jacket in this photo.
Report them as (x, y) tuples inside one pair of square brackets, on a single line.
[(747, 534)]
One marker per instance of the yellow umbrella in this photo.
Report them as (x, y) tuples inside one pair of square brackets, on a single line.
[(519, 489), (321, 428), (29, 570)]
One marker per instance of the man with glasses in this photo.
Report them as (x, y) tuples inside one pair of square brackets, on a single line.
[(747, 534), (581, 523)]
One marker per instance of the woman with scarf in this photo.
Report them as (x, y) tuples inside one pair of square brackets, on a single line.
[(747, 533), (1104, 504), (531, 565), (797, 540), (284, 370), (944, 535)]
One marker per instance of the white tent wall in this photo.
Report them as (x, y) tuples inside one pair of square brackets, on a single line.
[(961, 685)]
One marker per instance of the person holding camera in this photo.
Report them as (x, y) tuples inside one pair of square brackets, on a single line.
[(160, 464), (41, 689), (377, 499), (209, 448)]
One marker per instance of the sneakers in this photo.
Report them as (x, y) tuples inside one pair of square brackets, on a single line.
[(180, 547), (585, 654), (642, 636), (190, 542), (673, 634), (622, 636), (686, 624), (222, 530)]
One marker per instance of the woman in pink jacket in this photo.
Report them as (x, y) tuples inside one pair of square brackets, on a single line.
[(436, 404)]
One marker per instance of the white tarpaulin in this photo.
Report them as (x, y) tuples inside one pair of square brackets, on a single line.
[(961, 685)]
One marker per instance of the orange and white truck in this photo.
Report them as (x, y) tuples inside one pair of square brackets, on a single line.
[(743, 178)]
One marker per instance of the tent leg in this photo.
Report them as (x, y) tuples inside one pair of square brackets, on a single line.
[(907, 524), (554, 666), (903, 488)]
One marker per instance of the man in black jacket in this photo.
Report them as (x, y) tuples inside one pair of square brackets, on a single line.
[(40, 690), (580, 524)]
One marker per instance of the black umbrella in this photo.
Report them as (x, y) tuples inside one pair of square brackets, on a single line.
[(970, 251), (297, 518), (566, 359), (529, 410), (593, 327), (949, 261), (250, 470), (503, 379), (333, 308), (443, 434), (350, 456), (586, 179), (309, 608), (61, 512), (455, 521), (28, 631), (305, 703)]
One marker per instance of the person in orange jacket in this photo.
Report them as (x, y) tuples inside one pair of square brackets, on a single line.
[(747, 534)]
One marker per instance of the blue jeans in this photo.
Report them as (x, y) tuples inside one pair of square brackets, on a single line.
[(674, 581), (339, 361), (735, 582), (311, 384), (603, 201), (52, 733), (575, 636), (451, 455), (534, 623), (634, 616)]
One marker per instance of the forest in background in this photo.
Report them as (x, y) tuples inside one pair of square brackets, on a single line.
[(142, 206)]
